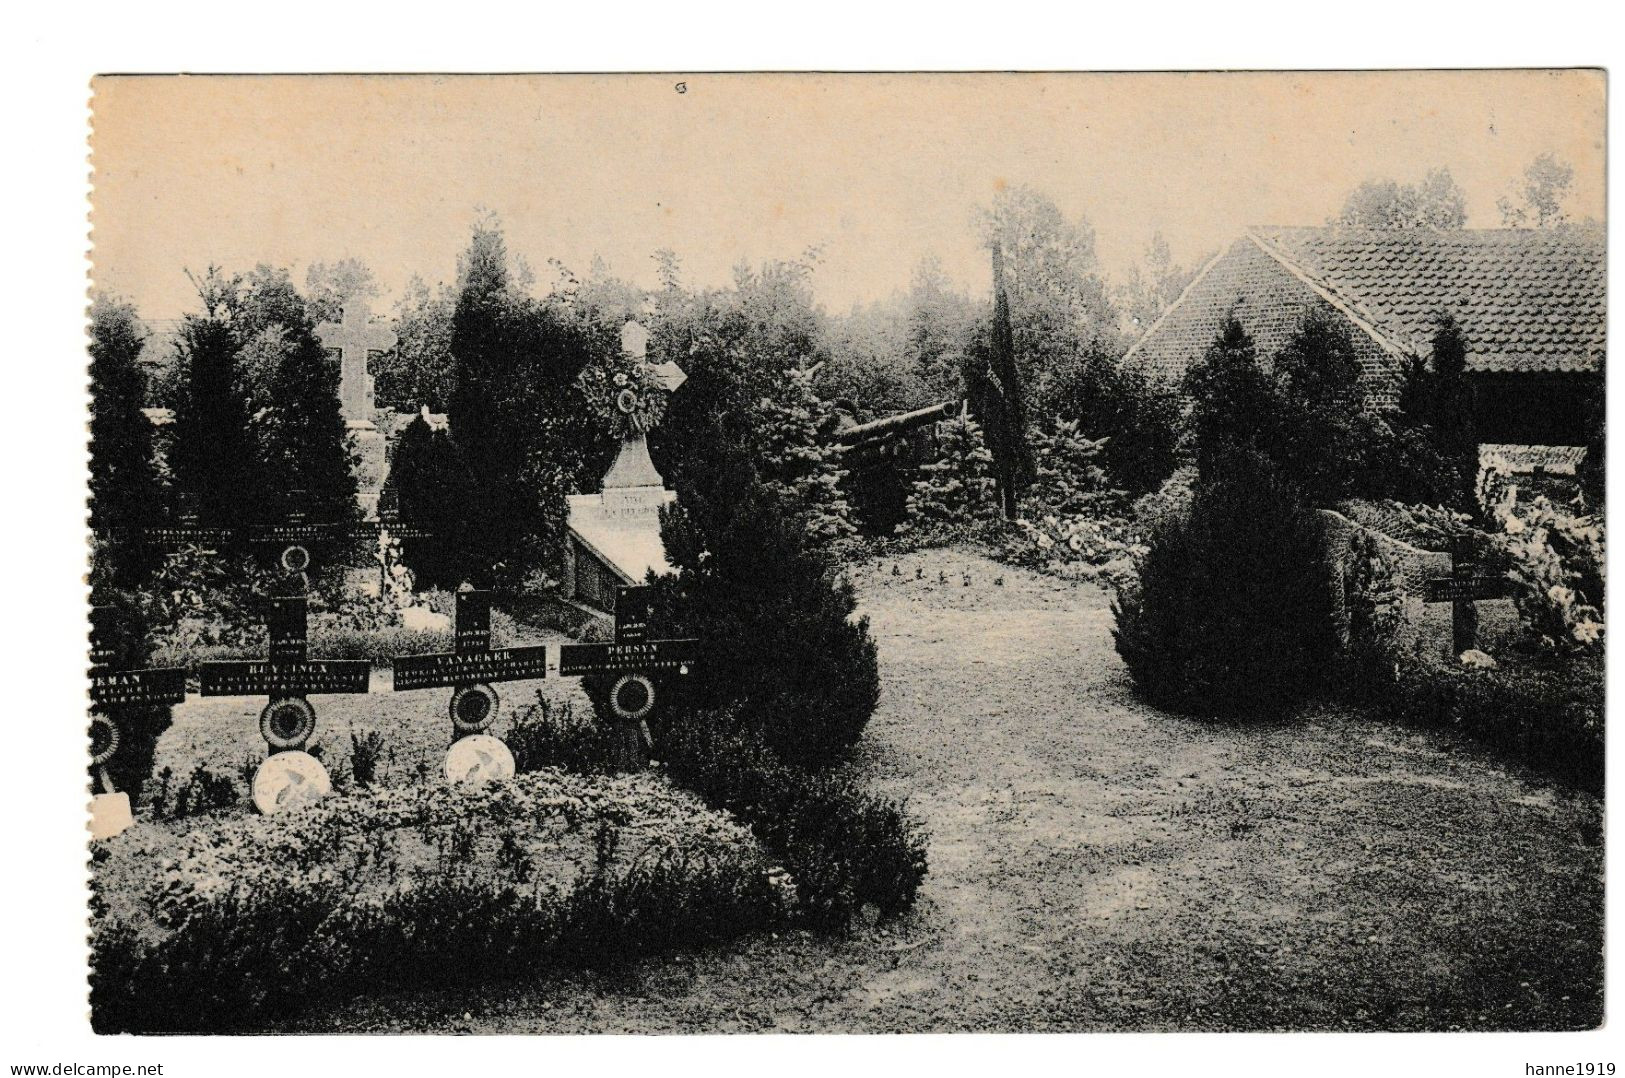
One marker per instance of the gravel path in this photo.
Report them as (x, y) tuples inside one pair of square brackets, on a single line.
[(1096, 864)]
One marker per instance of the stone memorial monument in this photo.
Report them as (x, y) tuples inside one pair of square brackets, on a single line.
[(355, 338), (613, 537)]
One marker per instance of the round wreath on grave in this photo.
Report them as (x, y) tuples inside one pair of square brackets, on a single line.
[(623, 395)]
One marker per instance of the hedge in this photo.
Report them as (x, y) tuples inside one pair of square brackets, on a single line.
[(844, 848)]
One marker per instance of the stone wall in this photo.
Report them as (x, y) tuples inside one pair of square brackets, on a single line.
[(1424, 628)]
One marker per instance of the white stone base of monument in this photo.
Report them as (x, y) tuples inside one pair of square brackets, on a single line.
[(109, 815), (367, 443)]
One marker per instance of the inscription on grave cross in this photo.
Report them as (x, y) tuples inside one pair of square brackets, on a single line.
[(1461, 589), (474, 661), (287, 676)]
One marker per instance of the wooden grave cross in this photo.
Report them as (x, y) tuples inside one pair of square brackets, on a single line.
[(634, 660), (287, 676), (471, 667), (113, 690), (1461, 589)]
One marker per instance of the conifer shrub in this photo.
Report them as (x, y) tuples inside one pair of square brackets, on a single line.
[(781, 644), (1232, 611), (799, 464), (956, 489)]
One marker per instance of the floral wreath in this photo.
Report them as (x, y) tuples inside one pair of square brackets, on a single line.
[(625, 393)]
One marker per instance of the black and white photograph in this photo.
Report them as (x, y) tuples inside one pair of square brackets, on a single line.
[(685, 553)]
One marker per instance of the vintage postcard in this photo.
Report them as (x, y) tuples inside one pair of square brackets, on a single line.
[(814, 553)]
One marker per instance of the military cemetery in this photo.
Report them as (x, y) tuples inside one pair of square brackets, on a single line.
[(1195, 643)]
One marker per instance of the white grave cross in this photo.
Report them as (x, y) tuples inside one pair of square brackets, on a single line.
[(355, 337), (635, 343)]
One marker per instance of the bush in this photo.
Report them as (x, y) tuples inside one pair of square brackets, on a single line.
[(1547, 717), (422, 887), (1232, 611), (844, 849), (543, 734), (366, 752), (205, 791), (1139, 420)]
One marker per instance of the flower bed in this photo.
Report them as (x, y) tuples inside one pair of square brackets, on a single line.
[(225, 928)]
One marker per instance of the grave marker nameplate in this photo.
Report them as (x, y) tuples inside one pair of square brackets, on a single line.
[(287, 676), (1460, 590), (645, 657), (475, 661), (633, 608)]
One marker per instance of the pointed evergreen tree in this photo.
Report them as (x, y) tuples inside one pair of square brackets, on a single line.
[(214, 460), (800, 465), (1436, 404), (1072, 479), (957, 487), (998, 399), (124, 491), (1235, 402)]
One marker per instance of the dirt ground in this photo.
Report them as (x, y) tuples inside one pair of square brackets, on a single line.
[(1097, 864)]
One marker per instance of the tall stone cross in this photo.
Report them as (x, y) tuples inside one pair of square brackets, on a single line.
[(355, 337)]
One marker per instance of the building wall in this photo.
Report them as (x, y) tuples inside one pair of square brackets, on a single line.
[(1270, 303)]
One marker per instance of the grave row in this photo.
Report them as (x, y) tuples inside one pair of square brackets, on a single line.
[(288, 677)]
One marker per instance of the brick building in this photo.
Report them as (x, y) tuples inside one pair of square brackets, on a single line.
[(1531, 303)]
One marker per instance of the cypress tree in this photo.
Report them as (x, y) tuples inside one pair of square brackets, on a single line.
[(997, 397), (214, 457), (124, 488)]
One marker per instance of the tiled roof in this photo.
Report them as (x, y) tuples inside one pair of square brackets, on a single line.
[(1527, 299)]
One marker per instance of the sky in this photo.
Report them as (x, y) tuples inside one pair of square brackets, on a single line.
[(877, 170)]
